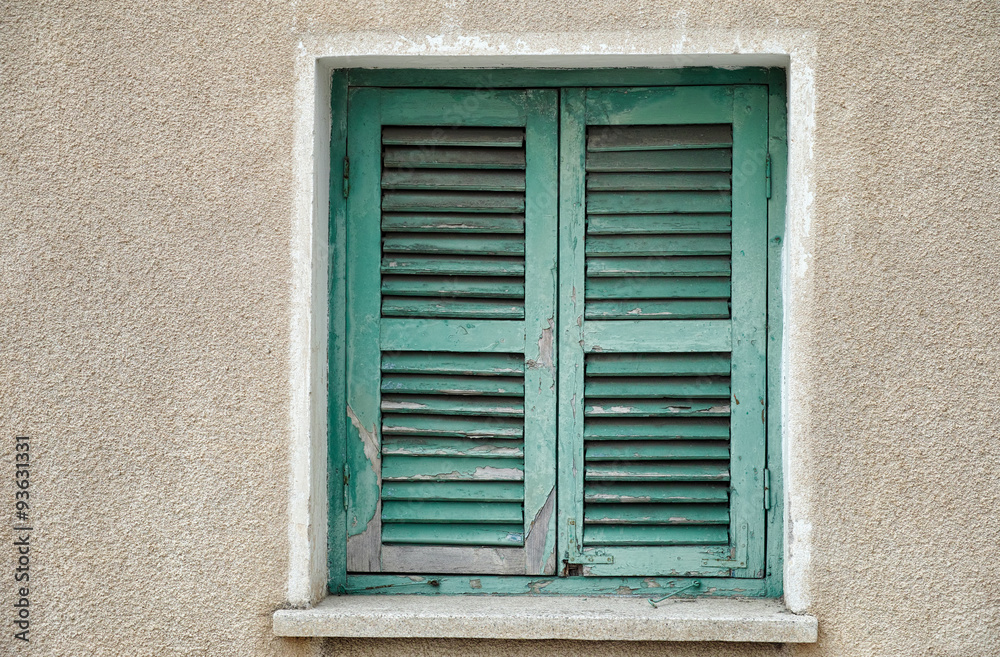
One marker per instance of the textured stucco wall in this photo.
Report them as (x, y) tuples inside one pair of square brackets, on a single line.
[(147, 195)]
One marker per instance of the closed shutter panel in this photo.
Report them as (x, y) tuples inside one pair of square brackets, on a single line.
[(450, 317), (663, 231)]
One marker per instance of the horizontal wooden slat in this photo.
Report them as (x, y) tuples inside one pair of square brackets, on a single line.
[(413, 362), (660, 287), (638, 266), (449, 201), (649, 450), (658, 245), (450, 559), (657, 471), (447, 157), (657, 309), (654, 407), (419, 446), (458, 179), (658, 137), (453, 136), (443, 534), (619, 428), (458, 107), (635, 181), (453, 491), (451, 335), (452, 222), (658, 364), (616, 202), (458, 512), (655, 492), (450, 307), (656, 514), (717, 159), (453, 265), (434, 468), (663, 336), (452, 244), (655, 535), (449, 426), (453, 385), (452, 405), (649, 386), (452, 286)]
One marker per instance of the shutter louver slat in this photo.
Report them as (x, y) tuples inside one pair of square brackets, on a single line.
[(656, 426)]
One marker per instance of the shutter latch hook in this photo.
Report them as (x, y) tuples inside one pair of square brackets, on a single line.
[(693, 585)]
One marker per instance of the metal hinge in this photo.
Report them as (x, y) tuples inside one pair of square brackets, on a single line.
[(767, 489), (347, 173), (767, 174), (347, 485)]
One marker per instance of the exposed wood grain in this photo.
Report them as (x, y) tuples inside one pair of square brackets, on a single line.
[(428, 307), (450, 534), (452, 426), (658, 309), (650, 492), (456, 222), (480, 245), (440, 559), (451, 265), (657, 514), (434, 468), (454, 491), (504, 386), (647, 450), (465, 286)]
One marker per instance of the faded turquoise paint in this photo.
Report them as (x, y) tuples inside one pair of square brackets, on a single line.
[(337, 352), (778, 149), (662, 560), (477, 585), (362, 322)]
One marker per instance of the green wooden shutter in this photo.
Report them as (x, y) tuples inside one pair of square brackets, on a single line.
[(451, 310), (662, 330)]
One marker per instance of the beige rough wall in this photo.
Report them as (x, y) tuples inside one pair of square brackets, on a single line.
[(146, 198)]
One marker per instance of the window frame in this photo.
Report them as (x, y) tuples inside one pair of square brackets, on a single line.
[(770, 585)]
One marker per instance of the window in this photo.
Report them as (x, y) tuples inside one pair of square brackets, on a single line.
[(551, 352)]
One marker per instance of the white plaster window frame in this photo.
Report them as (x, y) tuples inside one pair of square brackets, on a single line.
[(311, 612)]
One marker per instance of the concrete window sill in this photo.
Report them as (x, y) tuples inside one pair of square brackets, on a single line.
[(588, 619)]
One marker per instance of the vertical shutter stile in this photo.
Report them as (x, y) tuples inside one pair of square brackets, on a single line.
[(460, 452)]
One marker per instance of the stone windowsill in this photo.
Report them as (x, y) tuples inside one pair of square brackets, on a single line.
[(516, 617)]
